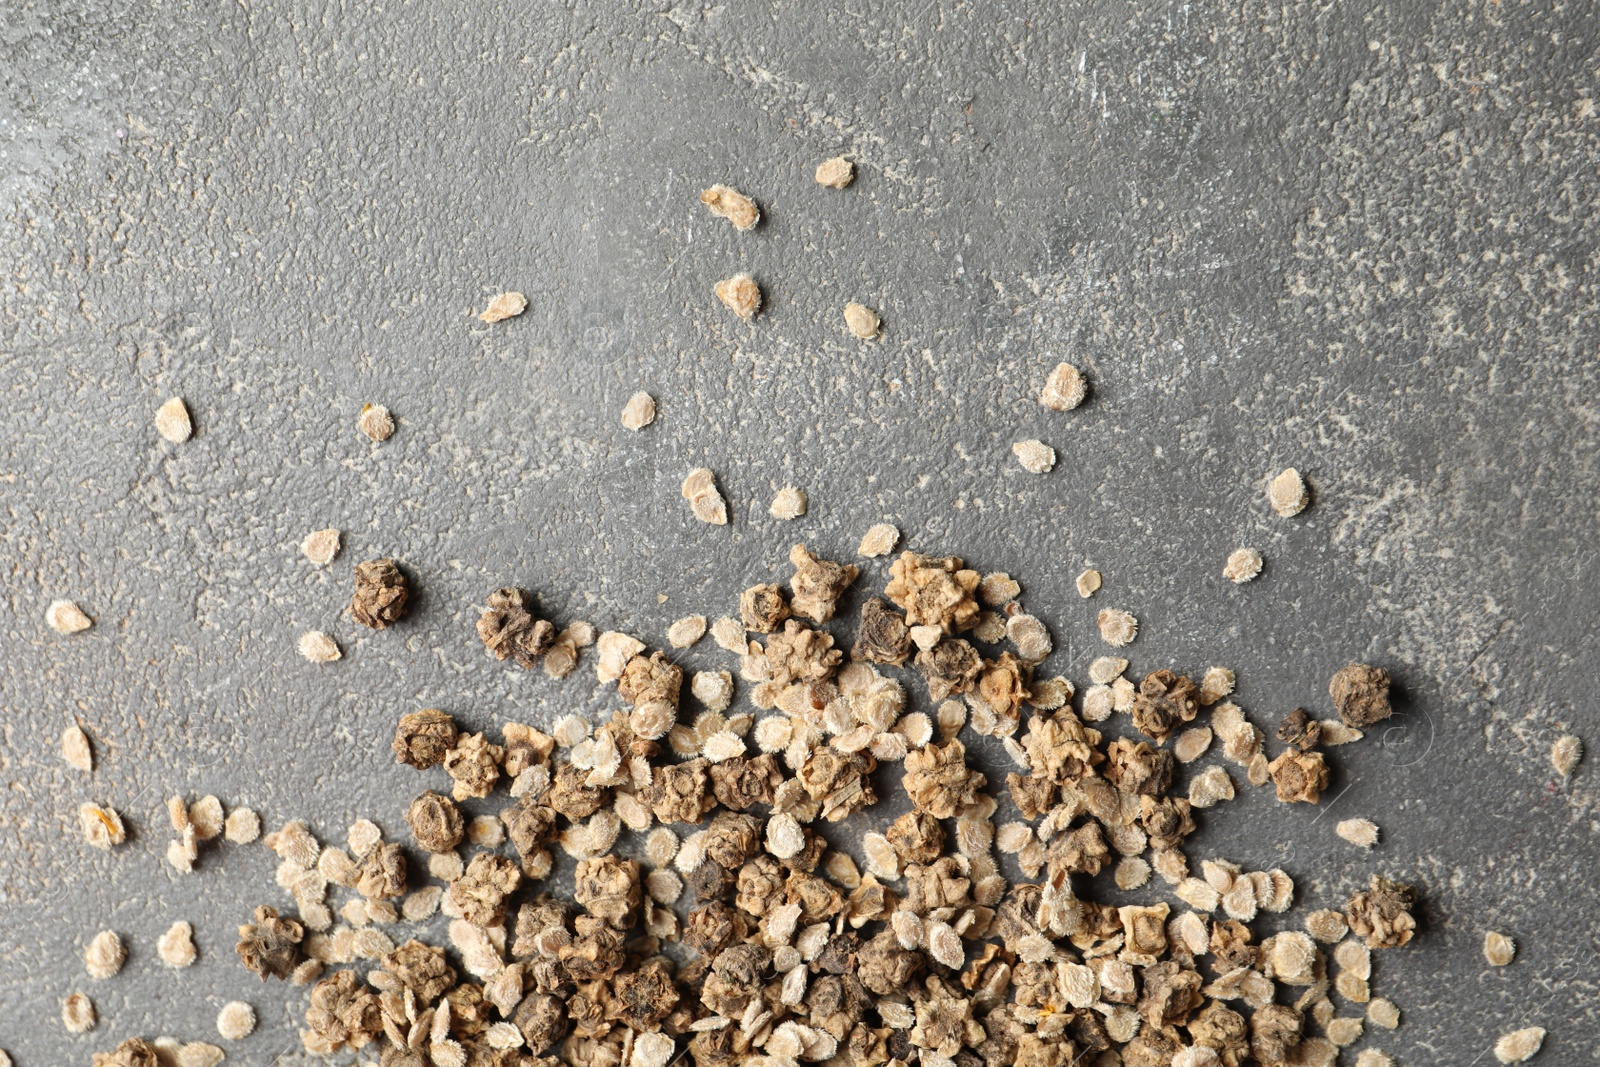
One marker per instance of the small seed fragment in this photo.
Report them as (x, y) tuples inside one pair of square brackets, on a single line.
[(1088, 583), (1565, 754), (173, 422), (505, 306), (1363, 832), (176, 946), (1498, 949), (77, 1014), (1064, 389), (862, 321), (836, 173), (75, 749), (1519, 1045), (729, 203), (318, 647), (1035, 456), (705, 501), (879, 540), (789, 503), (639, 411), (1117, 628), (65, 617), (376, 422), (741, 295), (102, 827), (1287, 494), (1244, 564), (320, 546), (236, 1021)]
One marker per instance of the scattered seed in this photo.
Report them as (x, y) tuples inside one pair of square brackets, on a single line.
[(236, 1021), (1327, 926), (318, 647), (1035, 456), (705, 501), (1498, 949), (320, 546), (862, 321), (879, 540), (505, 306), (1210, 787), (1117, 628), (1132, 872), (1372, 1057), (741, 295), (199, 1054), (102, 827), (1244, 564), (105, 955), (789, 503), (1064, 389), (686, 631), (242, 826), (173, 422), (77, 1014), (1361, 832), (65, 617), (836, 173), (1519, 1045), (1287, 494), (75, 749), (376, 422), (639, 412), (1215, 684), (728, 203), (1344, 1032), (1191, 744), (1565, 754), (1088, 583), (176, 946)]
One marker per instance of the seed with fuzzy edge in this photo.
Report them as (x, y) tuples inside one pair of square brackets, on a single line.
[(1117, 628), (1064, 389), (1287, 493), (376, 422), (318, 647), (741, 295), (77, 1014), (1498, 949), (1035, 456), (65, 617), (1565, 754), (879, 540), (1244, 564), (1519, 1045), (236, 1020), (789, 503)]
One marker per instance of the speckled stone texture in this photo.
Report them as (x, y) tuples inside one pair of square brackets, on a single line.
[(1357, 239)]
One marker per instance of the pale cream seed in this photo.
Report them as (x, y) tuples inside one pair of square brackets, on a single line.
[(1498, 949), (318, 647), (1035, 456), (741, 295), (65, 617), (77, 1014), (639, 411), (862, 321), (686, 631), (1089, 583), (105, 955), (1064, 389), (1381, 1012), (236, 1021), (1362, 832), (1565, 754), (176, 946), (75, 749), (835, 173), (173, 422), (788, 503), (504, 306), (1244, 565), (879, 540), (1287, 493), (1117, 628), (320, 546), (1519, 1046), (242, 826)]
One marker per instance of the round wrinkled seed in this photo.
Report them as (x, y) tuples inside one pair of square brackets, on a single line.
[(376, 422), (639, 411), (173, 422), (1117, 628), (1244, 564), (236, 1020), (242, 826)]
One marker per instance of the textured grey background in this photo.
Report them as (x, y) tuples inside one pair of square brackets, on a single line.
[(1357, 238)]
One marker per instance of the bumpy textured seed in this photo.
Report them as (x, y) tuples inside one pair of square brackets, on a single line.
[(741, 295), (1243, 566), (788, 503), (236, 1021), (862, 321), (376, 422), (1064, 389), (1117, 628), (879, 540), (1498, 949), (1519, 1045), (835, 173), (1565, 754), (1287, 494), (320, 546), (1035, 456)]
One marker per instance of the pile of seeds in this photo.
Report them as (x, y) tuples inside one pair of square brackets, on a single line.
[(725, 925)]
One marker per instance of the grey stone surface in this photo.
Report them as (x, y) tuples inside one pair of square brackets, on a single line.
[(1359, 239)]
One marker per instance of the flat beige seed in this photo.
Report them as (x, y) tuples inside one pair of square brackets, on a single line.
[(1215, 684), (242, 826), (879, 540), (1191, 744), (1035, 456), (102, 827), (1132, 872), (686, 631), (77, 1014), (1363, 832), (376, 422), (862, 321), (1287, 493), (1244, 564), (75, 749), (199, 1054), (1106, 669), (236, 1021), (1344, 1032), (729, 203), (836, 173), (320, 546), (1565, 754), (1372, 1057), (505, 306), (741, 295), (1519, 1045), (318, 647), (1117, 628), (1327, 926), (173, 422), (105, 955), (1498, 949), (789, 503), (1088, 583), (176, 946), (639, 411), (705, 501), (65, 617), (1064, 389), (1381, 1012)]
